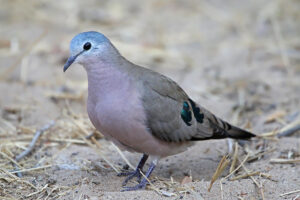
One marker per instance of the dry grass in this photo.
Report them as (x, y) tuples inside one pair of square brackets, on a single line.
[(259, 41)]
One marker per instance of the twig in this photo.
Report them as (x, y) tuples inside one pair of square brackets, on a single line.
[(222, 179), (268, 176), (260, 154), (19, 174), (292, 192), (259, 186), (34, 140), (245, 175), (17, 178), (233, 163), (221, 186), (289, 131), (268, 135), (284, 161), (32, 144), (245, 159), (74, 141), (39, 191), (8, 173), (49, 193), (10, 159), (123, 156), (32, 169)]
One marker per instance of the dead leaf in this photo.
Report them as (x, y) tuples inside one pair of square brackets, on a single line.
[(186, 179)]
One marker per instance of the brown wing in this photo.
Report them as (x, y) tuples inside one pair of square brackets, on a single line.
[(172, 116)]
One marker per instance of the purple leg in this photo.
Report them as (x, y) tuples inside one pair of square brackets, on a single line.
[(136, 172), (144, 181)]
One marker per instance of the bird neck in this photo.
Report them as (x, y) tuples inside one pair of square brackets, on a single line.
[(106, 81)]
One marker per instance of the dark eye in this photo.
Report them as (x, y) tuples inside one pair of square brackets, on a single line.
[(87, 46)]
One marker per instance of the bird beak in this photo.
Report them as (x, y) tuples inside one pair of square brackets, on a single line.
[(70, 61)]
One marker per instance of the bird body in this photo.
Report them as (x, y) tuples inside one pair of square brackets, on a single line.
[(119, 98), (122, 113), (141, 110)]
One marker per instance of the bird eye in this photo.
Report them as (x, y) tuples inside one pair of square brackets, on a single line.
[(87, 46)]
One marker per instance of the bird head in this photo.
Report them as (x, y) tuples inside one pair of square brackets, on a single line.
[(89, 47)]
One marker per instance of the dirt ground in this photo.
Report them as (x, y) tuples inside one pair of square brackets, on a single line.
[(239, 59)]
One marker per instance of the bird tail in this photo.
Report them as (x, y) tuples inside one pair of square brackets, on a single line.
[(238, 133), (222, 129)]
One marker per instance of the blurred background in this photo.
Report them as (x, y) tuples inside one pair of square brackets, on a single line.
[(240, 59)]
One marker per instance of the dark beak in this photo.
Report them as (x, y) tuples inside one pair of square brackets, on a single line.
[(70, 61)]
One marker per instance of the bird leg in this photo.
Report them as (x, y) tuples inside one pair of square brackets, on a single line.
[(136, 172), (144, 181)]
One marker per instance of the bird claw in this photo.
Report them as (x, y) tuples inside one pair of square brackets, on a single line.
[(131, 175), (141, 185)]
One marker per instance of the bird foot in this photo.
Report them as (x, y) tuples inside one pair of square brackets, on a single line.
[(141, 185), (131, 175)]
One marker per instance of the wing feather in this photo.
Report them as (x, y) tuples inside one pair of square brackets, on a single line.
[(172, 116)]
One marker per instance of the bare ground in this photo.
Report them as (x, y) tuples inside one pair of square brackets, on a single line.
[(239, 59)]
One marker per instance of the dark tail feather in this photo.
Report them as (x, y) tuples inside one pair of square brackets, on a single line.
[(222, 129), (228, 131), (238, 133)]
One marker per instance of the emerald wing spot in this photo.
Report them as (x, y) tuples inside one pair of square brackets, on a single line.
[(186, 114)]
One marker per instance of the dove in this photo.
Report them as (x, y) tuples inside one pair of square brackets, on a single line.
[(141, 110)]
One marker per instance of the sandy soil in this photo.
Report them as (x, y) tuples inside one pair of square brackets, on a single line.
[(239, 59)]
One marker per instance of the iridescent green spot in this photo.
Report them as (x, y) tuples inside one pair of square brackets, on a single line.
[(186, 114)]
